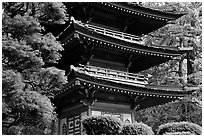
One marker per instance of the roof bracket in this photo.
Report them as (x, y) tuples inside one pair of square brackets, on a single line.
[(88, 96), (134, 100)]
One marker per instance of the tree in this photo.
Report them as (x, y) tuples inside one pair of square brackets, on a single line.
[(28, 84), (184, 32), (102, 125), (179, 128), (187, 109)]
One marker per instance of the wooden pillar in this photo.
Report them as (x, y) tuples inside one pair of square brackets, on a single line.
[(183, 70), (133, 117), (89, 111), (190, 69)]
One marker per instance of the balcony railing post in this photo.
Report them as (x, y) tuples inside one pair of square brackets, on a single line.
[(112, 32), (124, 76), (104, 31)]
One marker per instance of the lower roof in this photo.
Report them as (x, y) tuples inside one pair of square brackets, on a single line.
[(81, 79)]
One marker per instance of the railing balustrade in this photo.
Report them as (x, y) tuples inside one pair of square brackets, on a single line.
[(113, 33), (115, 74)]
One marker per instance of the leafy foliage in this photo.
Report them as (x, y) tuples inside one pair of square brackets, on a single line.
[(105, 125), (28, 51), (14, 130), (102, 125), (179, 133), (187, 109), (184, 32), (28, 84), (137, 129), (45, 12), (179, 127)]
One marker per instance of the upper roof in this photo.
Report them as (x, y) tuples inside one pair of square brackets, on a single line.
[(135, 20), (157, 14)]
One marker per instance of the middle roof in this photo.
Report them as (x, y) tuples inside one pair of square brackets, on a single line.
[(86, 39)]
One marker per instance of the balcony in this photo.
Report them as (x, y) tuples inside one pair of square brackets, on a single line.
[(113, 75), (112, 33)]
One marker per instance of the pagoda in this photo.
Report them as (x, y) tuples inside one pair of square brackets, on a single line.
[(104, 52)]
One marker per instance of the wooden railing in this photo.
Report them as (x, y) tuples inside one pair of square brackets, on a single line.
[(113, 33), (115, 75)]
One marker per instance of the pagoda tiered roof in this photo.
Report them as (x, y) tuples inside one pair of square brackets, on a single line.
[(118, 41), (136, 20), (104, 49), (118, 82), (124, 82), (138, 10)]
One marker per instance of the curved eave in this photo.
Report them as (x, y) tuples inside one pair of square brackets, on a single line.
[(166, 15), (82, 80), (138, 11), (117, 44), (121, 16)]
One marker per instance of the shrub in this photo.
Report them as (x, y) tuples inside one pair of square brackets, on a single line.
[(32, 130), (171, 112), (179, 127), (101, 125), (179, 133), (24, 130), (137, 129), (14, 130)]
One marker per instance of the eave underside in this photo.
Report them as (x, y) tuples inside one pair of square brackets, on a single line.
[(107, 91), (125, 18), (78, 38)]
